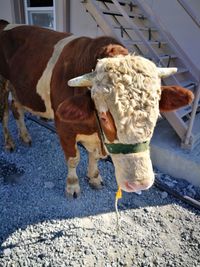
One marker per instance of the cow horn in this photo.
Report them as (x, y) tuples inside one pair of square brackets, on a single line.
[(82, 81), (164, 72)]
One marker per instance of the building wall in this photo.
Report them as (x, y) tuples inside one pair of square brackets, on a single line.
[(6, 10), (62, 15), (81, 23)]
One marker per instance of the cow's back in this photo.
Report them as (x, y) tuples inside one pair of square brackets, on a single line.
[(25, 53), (27, 47), (39, 62)]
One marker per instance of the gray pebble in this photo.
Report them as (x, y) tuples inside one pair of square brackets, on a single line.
[(147, 253), (164, 195), (49, 185), (7, 252)]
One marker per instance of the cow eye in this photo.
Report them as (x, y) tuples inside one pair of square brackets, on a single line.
[(103, 119)]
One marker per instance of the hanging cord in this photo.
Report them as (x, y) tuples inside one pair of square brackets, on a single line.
[(117, 197)]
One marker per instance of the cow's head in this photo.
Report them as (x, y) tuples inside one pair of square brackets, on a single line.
[(127, 94)]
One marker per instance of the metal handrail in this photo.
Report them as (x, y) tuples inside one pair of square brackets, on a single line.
[(190, 11), (193, 114)]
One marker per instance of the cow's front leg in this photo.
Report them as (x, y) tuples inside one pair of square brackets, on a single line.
[(72, 183), (95, 179), (72, 156)]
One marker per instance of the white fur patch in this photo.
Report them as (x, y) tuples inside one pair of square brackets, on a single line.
[(92, 143), (130, 88), (43, 85)]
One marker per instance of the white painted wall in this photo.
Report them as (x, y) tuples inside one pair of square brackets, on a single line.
[(81, 22), (60, 15), (6, 10)]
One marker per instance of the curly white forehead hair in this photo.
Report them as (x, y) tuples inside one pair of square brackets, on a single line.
[(130, 88)]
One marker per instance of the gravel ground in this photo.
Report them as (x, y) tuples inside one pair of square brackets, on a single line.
[(40, 227)]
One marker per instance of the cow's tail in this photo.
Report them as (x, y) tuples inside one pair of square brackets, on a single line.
[(3, 96), (3, 24), (3, 81)]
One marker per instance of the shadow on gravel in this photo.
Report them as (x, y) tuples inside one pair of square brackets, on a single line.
[(22, 205), (32, 182)]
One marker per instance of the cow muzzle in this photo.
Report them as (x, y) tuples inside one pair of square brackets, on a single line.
[(137, 186), (134, 172)]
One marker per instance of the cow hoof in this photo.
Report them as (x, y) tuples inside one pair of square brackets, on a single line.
[(10, 146), (72, 195), (30, 143), (96, 184), (26, 139), (72, 190), (10, 149), (75, 195)]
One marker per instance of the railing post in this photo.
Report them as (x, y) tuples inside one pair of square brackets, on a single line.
[(188, 142)]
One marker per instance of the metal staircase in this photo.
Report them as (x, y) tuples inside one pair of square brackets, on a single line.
[(137, 27)]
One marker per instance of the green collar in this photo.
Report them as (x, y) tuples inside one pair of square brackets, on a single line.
[(127, 148), (121, 148)]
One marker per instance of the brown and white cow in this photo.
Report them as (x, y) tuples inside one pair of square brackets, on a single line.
[(116, 115)]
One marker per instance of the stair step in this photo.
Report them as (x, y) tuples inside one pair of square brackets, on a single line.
[(167, 57), (181, 70), (189, 85), (139, 28), (115, 13), (185, 110), (138, 42), (121, 2)]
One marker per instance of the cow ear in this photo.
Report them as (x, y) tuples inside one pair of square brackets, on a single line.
[(112, 50), (174, 97), (75, 109)]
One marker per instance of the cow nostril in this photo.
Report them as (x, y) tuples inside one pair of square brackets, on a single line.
[(104, 120)]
